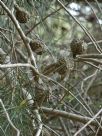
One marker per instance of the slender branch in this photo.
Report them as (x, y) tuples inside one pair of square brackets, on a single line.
[(89, 63), (39, 122), (31, 102), (3, 29), (24, 58), (8, 118), (92, 80), (96, 56), (90, 43), (90, 60), (89, 122), (90, 1), (19, 65), (63, 126), (2, 33), (68, 115)]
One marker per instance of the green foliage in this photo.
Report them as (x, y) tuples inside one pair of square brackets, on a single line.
[(54, 29)]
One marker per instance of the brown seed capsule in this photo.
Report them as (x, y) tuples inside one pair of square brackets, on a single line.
[(49, 69), (76, 47), (62, 67), (37, 47), (59, 67), (21, 14), (41, 96)]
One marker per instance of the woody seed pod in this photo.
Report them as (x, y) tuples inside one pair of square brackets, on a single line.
[(37, 47), (59, 67), (62, 67), (77, 47), (49, 69), (41, 96), (21, 14)]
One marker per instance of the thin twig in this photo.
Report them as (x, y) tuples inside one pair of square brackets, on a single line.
[(63, 126), (89, 122), (68, 115), (97, 62), (8, 118), (90, 43), (96, 56)]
